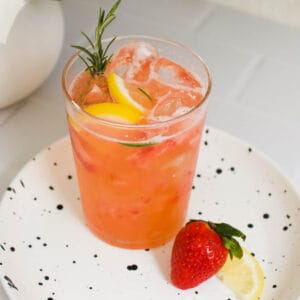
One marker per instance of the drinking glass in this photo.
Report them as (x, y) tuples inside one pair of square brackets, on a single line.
[(135, 180)]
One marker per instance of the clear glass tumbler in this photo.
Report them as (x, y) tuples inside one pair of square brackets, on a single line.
[(135, 180)]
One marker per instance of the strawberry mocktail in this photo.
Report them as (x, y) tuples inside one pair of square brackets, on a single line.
[(135, 132)]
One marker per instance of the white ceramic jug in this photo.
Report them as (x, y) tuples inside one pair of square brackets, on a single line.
[(31, 49)]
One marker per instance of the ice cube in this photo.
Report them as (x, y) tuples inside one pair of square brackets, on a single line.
[(95, 89), (174, 103), (167, 107), (177, 161), (181, 111), (171, 73), (95, 95), (133, 61), (143, 51)]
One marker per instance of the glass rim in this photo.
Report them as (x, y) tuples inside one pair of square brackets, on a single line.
[(163, 123)]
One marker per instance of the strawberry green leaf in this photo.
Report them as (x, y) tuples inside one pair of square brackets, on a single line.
[(224, 229), (227, 234), (233, 247)]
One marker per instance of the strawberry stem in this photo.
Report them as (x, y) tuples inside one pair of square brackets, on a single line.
[(224, 229), (233, 247), (227, 234)]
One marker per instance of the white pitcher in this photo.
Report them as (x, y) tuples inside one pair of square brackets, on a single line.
[(30, 42)]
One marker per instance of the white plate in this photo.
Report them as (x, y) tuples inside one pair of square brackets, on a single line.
[(49, 253)]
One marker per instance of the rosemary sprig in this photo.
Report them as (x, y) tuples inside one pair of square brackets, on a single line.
[(96, 58), (145, 93), (138, 145)]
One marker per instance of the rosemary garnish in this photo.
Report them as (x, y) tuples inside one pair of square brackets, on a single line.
[(97, 58), (145, 93), (138, 145)]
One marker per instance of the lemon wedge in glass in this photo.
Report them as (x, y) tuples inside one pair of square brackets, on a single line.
[(114, 112), (120, 93), (243, 276)]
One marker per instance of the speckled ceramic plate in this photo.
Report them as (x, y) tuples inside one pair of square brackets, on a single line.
[(47, 252)]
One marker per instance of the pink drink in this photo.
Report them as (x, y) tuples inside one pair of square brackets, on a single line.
[(135, 179)]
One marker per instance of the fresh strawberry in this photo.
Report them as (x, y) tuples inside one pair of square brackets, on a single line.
[(200, 250)]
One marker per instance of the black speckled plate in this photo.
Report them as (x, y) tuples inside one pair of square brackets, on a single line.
[(47, 252)]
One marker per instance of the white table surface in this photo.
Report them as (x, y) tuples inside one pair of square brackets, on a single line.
[(255, 65)]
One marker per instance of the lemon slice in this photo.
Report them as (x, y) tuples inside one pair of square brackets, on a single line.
[(120, 93), (243, 276), (114, 112)]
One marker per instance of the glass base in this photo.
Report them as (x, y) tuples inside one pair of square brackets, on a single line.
[(133, 244)]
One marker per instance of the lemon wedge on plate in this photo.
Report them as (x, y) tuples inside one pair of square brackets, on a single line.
[(120, 93), (114, 112), (243, 276)]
